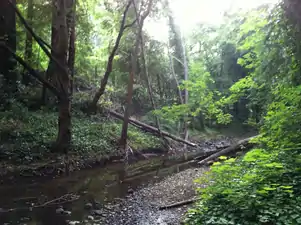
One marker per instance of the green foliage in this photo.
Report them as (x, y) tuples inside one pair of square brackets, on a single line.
[(31, 134), (201, 99), (263, 187)]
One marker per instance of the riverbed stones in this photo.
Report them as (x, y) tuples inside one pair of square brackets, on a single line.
[(67, 212), (141, 207), (97, 212), (90, 217), (88, 206), (59, 210)]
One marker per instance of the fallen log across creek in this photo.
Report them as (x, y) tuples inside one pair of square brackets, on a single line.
[(244, 144), (151, 129)]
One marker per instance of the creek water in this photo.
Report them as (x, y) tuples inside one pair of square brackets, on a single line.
[(99, 187)]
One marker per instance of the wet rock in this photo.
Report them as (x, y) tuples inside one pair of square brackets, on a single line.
[(97, 212), (73, 222), (25, 219), (130, 191), (59, 210), (67, 212), (88, 206), (90, 217)]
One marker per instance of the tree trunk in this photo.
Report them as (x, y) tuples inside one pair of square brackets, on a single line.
[(185, 90), (243, 144), (51, 65), (61, 77), (123, 138), (7, 62), (147, 128), (28, 43), (71, 53), (171, 65), (109, 68)]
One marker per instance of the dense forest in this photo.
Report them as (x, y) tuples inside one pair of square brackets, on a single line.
[(86, 80)]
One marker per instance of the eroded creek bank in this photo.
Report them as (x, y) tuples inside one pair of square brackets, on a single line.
[(96, 196)]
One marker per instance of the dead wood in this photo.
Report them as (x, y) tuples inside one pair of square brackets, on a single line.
[(179, 204), (61, 200), (32, 72), (151, 129), (242, 144)]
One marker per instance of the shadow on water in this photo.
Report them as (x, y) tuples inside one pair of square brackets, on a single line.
[(94, 186)]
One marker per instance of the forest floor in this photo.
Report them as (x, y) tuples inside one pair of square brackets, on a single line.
[(26, 138)]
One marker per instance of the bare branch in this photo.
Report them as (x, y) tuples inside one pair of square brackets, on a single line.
[(37, 38), (31, 70)]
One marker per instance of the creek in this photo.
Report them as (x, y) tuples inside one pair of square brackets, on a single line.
[(100, 196), (96, 188)]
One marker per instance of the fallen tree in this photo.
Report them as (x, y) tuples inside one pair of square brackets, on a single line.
[(179, 204), (151, 129), (241, 145)]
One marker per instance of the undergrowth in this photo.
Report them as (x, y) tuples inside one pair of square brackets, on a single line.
[(26, 135), (264, 186)]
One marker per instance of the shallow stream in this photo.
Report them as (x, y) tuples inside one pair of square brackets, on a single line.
[(97, 191)]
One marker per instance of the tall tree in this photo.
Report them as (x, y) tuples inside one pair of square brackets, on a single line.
[(8, 37), (28, 42), (72, 38), (142, 16), (60, 78)]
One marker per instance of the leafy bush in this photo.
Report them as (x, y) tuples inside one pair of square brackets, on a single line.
[(264, 186)]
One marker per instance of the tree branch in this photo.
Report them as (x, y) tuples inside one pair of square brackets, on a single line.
[(31, 70), (41, 42)]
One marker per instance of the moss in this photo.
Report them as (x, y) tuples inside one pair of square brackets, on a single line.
[(29, 135)]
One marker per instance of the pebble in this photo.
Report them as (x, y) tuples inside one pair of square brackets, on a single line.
[(73, 222), (88, 206), (97, 212), (67, 212), (59, 210), (90, 217)]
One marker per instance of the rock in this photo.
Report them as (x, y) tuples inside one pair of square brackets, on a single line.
[(90, 217), (97, 212), (67, 212), (59, 210), (130, 191), (73, 222), (88, 206)]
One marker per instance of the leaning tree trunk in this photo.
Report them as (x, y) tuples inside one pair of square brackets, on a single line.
[(28, 43), (8, 37), (61, 75), (104, 80), (123, 138)]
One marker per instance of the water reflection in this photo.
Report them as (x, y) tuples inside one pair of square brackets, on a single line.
[(95, 186)]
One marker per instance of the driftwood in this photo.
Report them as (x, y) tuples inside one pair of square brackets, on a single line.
[(151, 129), (242, 144), (61, 200), (179, 204)]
